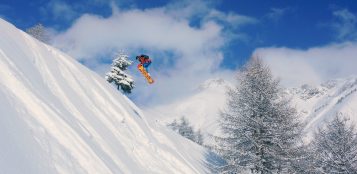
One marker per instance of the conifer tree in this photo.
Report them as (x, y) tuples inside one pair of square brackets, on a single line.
[(174, 125), (117, 74), (184, 128), (335, 148), (199, 137), (261, 130), (39, 32)]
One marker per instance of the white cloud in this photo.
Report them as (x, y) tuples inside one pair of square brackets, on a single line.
[(345, 24), (314, 65), (183, 55), (231, 19), (151, 29)]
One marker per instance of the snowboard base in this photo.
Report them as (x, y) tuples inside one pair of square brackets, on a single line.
[(145, 74)]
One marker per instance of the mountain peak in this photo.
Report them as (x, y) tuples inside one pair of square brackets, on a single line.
[(213, 84)]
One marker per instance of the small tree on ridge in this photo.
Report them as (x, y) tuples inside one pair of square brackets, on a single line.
[(117, 75)]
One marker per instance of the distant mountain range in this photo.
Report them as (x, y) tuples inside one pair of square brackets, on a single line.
[(315, 104)]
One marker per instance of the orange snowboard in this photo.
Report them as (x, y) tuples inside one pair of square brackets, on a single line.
[(145, 74)]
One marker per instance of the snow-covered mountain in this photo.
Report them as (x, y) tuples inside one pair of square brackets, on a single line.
[(315, 104), (201, 109), (59, 117), (318, 104)]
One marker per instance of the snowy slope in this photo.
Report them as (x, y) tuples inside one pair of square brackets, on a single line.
[(318, 104), (59, 117)]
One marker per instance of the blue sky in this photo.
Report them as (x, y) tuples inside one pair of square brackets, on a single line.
[(296, 24), (206, 38)]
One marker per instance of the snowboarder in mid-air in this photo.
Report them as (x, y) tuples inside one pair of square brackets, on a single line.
[(145, 61)]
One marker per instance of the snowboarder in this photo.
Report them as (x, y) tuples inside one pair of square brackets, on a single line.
[(145, 61)]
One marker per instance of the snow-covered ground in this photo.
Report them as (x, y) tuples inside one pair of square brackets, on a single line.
[(59, 117), (319, 104)]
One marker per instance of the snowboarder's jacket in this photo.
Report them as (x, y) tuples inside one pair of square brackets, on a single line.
[(144, 60)]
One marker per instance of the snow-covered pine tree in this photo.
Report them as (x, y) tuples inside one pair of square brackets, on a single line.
[(117, 75), (335, 147), (184, 128), (174, 125), (261, 131), (39, 32), (199, 137)]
